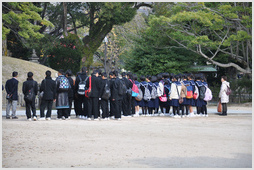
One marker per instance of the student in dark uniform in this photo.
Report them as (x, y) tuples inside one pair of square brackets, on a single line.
[(126, 102), (81, 100), (93, 100), (156, 100), (199, 101), (192, 101), (112, 108), (150, 102), (104, 102), (144, 103)]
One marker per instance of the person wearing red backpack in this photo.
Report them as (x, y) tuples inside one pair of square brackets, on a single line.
[(137, 103)]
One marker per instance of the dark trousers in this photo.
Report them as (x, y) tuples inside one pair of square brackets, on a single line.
[(104, 108), (30, 105), (126, 105), (199, 109), (224, 108), (76, 106), (115, 110), (62, 112), (93, 107), (82, 105), (132, 105), (44, 104), (70, 105), (204, 110), (112, 109)]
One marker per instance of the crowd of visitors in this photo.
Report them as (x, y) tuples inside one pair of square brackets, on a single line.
[(97, 97)]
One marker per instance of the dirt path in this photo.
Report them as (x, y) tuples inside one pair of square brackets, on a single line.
[(136, 142)]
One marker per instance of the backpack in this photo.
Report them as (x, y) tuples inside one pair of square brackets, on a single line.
[(147, 94), (228, 92), (122, 87), (196, 92), (30, 95), (159, 89), (64, 83), (154, 92), (202, 90), (140, 94), (189, 94), (82, 86), (208, 94), (106, 93), (134, 89)]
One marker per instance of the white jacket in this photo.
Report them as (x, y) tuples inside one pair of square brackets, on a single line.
[(173, 91), (223, 96)]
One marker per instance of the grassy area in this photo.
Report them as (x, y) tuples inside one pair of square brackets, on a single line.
[(10, 64)]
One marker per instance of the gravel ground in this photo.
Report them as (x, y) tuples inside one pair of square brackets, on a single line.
[(135, 142)]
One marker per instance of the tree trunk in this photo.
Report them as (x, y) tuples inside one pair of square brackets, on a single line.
[(65, 19), (4, 47)]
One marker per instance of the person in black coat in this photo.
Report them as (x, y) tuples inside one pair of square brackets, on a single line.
[(126, 102), (28, 85), (132, 100), (68, 74), (104, 102), (111, 82), (11, 88), (116, 98), (48, 87), (80, 99), (93, 100)]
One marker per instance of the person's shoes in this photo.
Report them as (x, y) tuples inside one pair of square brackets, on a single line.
[(29, 119), (183, 116), (63, 118), (89, 118), (69, 118), (42, 118), (80, 116), (34, 118), (8, 117), (198, 115), (202, 115), (48, 118), (15, 117), (112, 117), (96, 119), (118, 119)]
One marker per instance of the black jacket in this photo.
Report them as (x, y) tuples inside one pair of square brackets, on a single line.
[(83, 76), (115, 89), (11, 88), (71, 92), (49, 89), (95, 89), (127, 82), (28, 85), (102, 85)]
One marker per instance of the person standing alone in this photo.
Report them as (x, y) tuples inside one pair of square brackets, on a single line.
[(30, 89), (11, 88), (224, 98)]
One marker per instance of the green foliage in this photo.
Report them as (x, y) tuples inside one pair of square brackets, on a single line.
[(19, 16), (66, 54)]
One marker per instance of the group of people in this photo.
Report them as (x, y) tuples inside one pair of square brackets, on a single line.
[(116, 97)]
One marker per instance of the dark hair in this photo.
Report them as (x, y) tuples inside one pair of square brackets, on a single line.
[(142, 78), (104, 74), (184, 76), (95, 71), (148, 77), (123, 74), (30, 74), (83, 70), (153, 79), (69, 73), (48, 73), (115, 73), (159, 77), (165, 75), (111, 73), (14, 74), (135, 77), (129, 74), (61, 71), (224, 77)]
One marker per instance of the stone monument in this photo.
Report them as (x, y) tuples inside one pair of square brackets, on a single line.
[(34, 57)]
